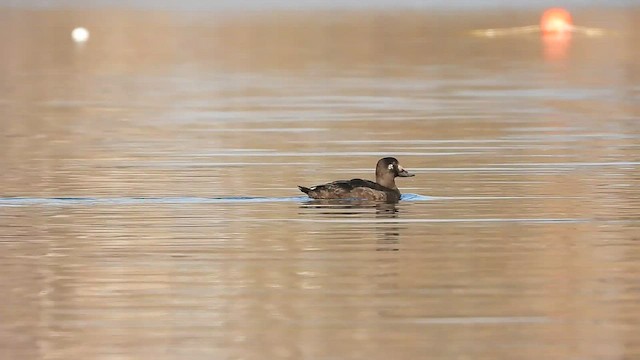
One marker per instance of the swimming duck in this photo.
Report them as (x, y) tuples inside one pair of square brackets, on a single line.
[(384, 189)]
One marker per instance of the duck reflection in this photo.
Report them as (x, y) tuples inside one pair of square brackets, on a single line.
[(387, 231)]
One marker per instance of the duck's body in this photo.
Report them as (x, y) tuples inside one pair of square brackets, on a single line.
[(352, 189), (384, 189)]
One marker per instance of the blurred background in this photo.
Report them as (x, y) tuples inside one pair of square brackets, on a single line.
[(149, 164)]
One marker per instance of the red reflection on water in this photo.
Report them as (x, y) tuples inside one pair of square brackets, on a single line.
[(556, 25), (556, 20)]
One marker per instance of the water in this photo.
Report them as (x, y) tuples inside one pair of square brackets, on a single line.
[(204, 5), (149, 208)]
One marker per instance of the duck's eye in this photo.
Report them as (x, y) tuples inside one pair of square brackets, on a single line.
[(390, 166)]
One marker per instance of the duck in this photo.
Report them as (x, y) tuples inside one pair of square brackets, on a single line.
[(383, 189)]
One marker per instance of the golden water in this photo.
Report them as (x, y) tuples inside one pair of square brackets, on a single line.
[(149, 208)]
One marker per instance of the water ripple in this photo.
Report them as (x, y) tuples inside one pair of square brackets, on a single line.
[(61, 201)]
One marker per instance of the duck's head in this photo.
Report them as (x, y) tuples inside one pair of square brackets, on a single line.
[(388, 169), (390, 166)]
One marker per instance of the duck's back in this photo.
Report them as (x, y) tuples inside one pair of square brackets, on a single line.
[(352, 189)]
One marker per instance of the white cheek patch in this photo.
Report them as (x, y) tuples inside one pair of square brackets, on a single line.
[(390, 167)]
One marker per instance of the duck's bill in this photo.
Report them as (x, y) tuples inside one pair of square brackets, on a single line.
[(405, 173)]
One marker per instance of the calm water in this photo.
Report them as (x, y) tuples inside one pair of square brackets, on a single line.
[(149, 209)]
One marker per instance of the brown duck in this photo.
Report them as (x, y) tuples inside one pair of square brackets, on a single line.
[(384, 189)]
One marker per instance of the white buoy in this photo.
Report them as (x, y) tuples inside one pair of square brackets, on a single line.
[(80, 34)]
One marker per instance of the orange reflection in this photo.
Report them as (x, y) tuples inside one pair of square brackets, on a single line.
[(556, 20), (556, 26)]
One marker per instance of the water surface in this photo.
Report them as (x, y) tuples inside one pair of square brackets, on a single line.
[(149, 208)]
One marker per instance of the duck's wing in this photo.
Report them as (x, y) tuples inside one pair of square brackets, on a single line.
[(359, 183)]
